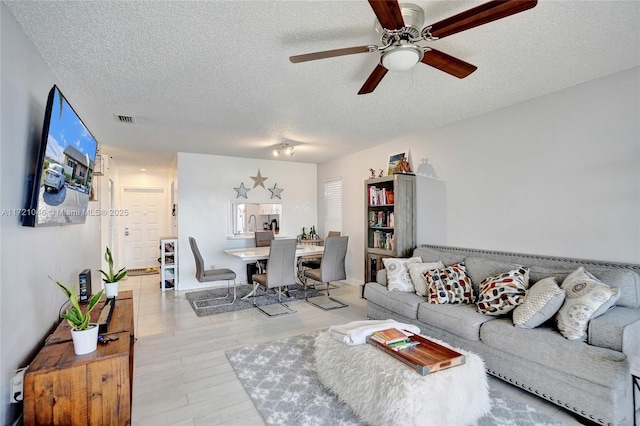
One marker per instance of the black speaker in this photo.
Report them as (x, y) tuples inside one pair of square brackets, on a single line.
[(85, 285)]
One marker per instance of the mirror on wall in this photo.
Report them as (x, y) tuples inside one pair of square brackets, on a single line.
[(250, 217)]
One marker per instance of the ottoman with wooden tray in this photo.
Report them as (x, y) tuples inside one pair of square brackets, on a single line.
[(436, 384)]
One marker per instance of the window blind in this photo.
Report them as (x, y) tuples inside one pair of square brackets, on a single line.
[(333, 205)]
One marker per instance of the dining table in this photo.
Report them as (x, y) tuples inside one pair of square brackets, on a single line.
[(259, 253), (252, 254)]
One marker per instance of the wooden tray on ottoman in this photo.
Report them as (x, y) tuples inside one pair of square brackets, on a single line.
[(426, 357)]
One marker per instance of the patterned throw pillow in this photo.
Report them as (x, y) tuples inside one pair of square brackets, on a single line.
[(541, 302), (398, 278), (417, 270), (449, 285), (501, 293), (587, 298)]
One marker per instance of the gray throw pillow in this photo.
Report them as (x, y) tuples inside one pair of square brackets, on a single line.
[(416, 272), (541, 302)]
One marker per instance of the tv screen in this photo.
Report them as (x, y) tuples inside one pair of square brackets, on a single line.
[(59, 193)]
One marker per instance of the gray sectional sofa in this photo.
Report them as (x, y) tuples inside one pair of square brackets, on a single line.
[(590, 378)]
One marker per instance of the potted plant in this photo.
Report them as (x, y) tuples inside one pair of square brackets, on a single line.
[(112, 278), (83, 333)]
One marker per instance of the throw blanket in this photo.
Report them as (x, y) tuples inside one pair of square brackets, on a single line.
[(356, 332)]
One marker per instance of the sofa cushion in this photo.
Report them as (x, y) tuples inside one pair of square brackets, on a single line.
[(627, 281), (541, 302), (433, 255), (587, 298), (381, 277), (501, 293), (398, 278), (619, 330), (547, 347), (461, 320), (417, 270), (405, 304), (539, 272), (449, 285), (479, 268)]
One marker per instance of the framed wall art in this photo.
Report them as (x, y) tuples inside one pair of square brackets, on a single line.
[(399, 163)]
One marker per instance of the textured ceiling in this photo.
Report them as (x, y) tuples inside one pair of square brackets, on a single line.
[(214, 76)]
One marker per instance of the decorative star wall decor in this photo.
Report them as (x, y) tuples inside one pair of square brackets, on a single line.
[(275, 192), (258, 180), (242, 191)]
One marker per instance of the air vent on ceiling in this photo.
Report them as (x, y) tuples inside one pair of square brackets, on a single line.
[(124, 118)]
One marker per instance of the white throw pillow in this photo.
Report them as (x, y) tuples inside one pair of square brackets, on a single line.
[(416, 272), (398, 278), (541, 302), (587, 298)]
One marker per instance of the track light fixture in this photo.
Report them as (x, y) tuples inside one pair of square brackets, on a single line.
[(284, 148)]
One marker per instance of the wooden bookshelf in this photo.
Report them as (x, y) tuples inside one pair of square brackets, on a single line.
[(390, 220)]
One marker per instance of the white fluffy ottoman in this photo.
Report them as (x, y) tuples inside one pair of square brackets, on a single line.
[(383, 391)]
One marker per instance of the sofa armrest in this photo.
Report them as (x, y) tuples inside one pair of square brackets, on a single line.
[(618, 329), (381, 277)]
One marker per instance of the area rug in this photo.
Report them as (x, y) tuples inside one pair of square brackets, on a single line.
[(204, 302), (280, 378)]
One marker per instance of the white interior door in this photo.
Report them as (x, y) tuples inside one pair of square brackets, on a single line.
[(143, 226)]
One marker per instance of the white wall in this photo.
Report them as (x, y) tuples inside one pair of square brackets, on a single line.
[(557, 175), (29, 301), (206, 194)]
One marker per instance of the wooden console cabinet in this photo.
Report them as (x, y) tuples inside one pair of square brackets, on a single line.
[(61, 388)]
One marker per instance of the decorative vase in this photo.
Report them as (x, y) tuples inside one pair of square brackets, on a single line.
[(111, 289), (85, 341)]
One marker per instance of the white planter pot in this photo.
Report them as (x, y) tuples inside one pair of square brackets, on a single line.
[(85, 341), (111, 289)]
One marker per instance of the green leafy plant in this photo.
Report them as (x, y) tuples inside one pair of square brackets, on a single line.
[(77, 319), (112, 276)]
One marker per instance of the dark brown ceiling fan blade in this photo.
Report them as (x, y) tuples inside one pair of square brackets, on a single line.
[(480, 15), (374, 79), (332, 53), (447, 63), (388, 13)]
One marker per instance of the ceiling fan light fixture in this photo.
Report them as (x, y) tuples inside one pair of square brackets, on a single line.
[(402, 58)]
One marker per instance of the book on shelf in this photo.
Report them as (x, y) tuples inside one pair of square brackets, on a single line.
[(390, 336), (380, 196), (383, 240), (382, 219)]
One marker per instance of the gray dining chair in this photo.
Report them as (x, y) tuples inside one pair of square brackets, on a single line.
[(312, 261), (331, 269), (280, 273), (210, 275), (263, 239)]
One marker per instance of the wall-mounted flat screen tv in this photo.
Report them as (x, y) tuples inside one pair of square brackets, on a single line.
[(59, 191)]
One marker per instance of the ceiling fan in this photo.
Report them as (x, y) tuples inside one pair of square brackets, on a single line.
[(401, 33)]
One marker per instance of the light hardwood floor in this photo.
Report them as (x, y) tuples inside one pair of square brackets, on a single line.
[(182, 376)]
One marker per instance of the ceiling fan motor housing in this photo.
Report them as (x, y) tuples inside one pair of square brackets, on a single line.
[(413, 17)]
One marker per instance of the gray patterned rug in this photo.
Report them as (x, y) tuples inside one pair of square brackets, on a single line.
[(204, 302), (280, 379)]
